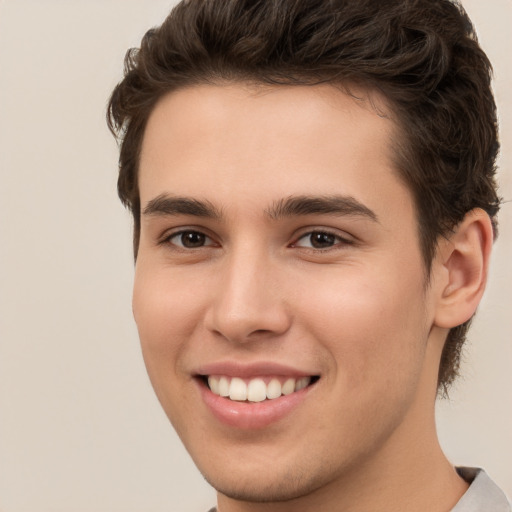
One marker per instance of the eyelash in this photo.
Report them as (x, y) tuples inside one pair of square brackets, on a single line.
[(337, 240), (168, 239)]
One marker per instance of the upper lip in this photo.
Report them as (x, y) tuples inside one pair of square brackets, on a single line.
[(251, 370)]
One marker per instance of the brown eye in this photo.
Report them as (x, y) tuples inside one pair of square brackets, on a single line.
[(190, 239), (321, 240)]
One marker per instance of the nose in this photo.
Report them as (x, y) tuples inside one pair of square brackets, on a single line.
[(249, 302)]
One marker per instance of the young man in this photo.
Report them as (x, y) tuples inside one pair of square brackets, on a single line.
[(312, 185)]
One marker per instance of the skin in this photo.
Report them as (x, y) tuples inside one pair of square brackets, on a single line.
[(356, 312)]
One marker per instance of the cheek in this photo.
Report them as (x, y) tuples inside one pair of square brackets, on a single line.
[(373, 325), (164, 302), (166, 311)]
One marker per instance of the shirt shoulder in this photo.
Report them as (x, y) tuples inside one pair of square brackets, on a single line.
[(483, 494)]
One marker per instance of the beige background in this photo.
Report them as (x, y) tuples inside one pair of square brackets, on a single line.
[(80, 429)]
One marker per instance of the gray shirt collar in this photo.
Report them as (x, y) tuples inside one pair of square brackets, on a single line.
[(483, 494)]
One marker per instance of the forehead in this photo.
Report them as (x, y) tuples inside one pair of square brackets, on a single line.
[(267, 143)]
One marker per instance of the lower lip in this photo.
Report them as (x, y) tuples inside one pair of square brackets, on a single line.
[(251, 415)]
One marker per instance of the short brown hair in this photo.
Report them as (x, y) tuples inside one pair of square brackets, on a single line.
[(422, 55)]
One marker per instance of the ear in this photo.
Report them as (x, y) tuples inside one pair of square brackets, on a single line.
[(463, 263)]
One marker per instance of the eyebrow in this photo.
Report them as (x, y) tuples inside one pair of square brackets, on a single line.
[(292, 206), (169, 205), (338, 205)]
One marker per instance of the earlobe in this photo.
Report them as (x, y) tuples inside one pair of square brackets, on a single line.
[(464, 258)]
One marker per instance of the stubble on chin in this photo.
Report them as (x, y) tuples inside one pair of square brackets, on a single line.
[(288, 486)]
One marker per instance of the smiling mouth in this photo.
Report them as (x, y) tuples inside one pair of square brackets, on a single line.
[(257, 389)]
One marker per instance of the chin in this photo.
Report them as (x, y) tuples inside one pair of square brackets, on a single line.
[(255, 492), (269, 486)]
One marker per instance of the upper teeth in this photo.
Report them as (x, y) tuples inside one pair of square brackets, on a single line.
[(255, 390)]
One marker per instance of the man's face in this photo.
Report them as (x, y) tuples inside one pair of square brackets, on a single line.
[(279, 247)]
